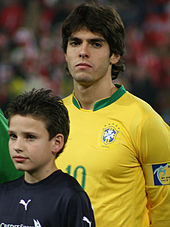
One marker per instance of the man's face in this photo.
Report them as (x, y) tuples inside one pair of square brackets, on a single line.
[(29, 145), (88, 57)]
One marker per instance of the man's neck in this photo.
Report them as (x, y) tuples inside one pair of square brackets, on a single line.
[(88, 96)]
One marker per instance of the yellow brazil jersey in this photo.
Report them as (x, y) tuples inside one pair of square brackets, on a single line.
[(120, 154)]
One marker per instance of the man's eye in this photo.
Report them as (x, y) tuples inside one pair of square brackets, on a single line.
[(97, 45), (74, 43)]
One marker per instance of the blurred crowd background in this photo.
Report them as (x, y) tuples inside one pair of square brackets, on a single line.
[(31, 53)]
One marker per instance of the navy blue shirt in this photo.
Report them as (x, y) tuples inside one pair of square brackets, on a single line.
[(57, 201)]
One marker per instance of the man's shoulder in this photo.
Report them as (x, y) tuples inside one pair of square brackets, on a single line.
[(141, 111), (138, 105)]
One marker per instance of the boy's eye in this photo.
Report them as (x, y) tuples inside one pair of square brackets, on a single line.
[(12, 136), (30, 137)]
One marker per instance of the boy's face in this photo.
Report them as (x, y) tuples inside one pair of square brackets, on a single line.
[(30, 147)]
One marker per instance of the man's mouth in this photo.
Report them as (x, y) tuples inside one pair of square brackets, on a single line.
[(83, 65)]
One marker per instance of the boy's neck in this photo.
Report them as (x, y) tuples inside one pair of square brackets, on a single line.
[(33, 178)]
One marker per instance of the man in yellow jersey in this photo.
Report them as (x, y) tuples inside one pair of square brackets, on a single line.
[(119, 147)]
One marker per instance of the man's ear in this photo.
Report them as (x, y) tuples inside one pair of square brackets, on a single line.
[(114, 59), (57, 143), (65, 55)]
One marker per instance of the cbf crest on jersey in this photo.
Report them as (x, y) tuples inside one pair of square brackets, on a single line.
[(110, 132)]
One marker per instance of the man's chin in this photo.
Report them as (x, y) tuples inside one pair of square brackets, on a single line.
[(83, 80)]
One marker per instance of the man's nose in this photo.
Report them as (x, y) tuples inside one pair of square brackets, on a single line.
[(84, 53)]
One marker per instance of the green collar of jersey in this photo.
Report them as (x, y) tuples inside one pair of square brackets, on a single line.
[(104, 102)]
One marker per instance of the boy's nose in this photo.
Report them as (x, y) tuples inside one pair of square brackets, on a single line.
[(18, 145)]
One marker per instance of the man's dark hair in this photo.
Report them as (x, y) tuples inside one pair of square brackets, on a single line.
[(99, 19), (43, 105)]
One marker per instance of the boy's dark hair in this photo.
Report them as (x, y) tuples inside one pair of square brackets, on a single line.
[(99, 19), (42, 105)]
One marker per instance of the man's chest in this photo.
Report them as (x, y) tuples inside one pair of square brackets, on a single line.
[(98, 145)]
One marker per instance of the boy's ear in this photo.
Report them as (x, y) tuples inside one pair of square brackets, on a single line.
[(57, 143)]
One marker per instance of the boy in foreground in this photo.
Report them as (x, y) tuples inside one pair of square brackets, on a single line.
[(44, 196)]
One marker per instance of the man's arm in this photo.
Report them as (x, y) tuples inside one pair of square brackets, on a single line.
[(155, 159)]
